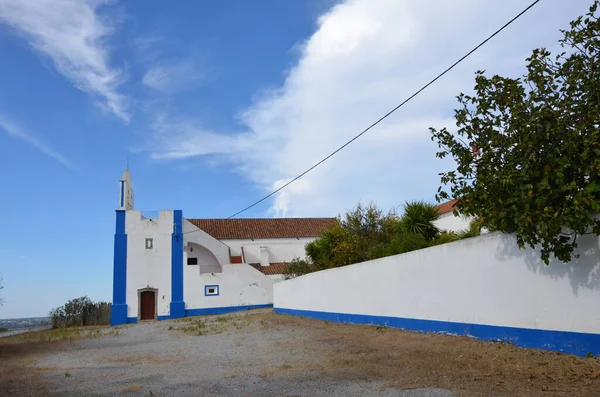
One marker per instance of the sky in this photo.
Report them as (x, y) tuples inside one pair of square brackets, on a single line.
[(216, 103)]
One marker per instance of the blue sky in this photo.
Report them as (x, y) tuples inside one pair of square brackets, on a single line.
[(217, 103)]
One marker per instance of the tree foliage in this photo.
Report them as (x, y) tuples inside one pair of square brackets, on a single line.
[(528, 150), (367, 232)]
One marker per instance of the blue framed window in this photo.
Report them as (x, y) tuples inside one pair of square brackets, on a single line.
[(211, 290)]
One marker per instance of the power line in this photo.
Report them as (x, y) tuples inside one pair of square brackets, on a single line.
[(390, 112)]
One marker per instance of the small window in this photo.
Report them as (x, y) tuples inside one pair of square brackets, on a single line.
[(211, 290), (149, 244), (192, 261)]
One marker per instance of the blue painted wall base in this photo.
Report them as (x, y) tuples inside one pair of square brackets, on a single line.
[(221, 310), (118, 314), (177, 309), (206, 312), (576, 343)]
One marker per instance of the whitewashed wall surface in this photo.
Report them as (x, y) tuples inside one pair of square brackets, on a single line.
[(450, 223), (485, 287)]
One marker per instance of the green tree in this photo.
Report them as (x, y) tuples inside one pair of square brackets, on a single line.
[(528, 150), (353, 238)]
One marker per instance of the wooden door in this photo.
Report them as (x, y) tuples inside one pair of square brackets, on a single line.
[(148, 303)]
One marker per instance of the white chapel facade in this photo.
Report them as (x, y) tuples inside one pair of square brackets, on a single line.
[(170, 266)]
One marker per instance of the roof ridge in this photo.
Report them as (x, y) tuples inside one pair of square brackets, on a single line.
[(250, 228), (234, 219)]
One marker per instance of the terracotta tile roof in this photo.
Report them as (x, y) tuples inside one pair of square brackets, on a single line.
[(235, 259), (446, 207), (271, 270), (246, 228)]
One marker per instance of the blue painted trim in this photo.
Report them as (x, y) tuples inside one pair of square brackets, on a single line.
[(206, 287), (133, 320), (177, 307), (576, 343), (221, 310), (212, 310), (122, 194), (118, 312), (207, 311)]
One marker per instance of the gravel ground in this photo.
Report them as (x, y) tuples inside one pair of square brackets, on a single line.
[(235, 355)]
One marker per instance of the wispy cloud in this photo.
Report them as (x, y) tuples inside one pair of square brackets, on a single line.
[(73, 36), (16, 132), (363, 59), (174, 77)]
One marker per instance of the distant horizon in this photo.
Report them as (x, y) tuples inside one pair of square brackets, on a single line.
[(22, 318)]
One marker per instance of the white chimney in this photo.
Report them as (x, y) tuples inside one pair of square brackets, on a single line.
[(264, 256)]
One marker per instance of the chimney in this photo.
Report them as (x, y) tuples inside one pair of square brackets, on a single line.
[(264, 256)]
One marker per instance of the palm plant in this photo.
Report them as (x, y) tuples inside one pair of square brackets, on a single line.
[(419, 218), (474, 229)]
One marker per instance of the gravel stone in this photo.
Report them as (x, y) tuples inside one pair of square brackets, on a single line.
[(149, 359)]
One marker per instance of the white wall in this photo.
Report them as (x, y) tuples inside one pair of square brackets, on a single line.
[(192, 234), (449, 222), (239, 285), (482, 280), (207, 261), (148, 267), (280, 249)]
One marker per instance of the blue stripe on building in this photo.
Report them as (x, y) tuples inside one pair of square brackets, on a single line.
[(562, 341), (208, 311), (222, 310), (122, 194), (118, 313), (177, 307)]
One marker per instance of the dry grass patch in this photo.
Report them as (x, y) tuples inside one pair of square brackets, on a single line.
[(132, 388), (471, 367), (209, 325), (275, 370), (139, 360), (18, 374), (69, 334)]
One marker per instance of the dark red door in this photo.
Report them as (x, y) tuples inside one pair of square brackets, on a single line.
[(148, 302)]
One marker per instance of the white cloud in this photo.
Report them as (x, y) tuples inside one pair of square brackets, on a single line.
[(365, 57), (17, 132), (170, 78), (72, 35)]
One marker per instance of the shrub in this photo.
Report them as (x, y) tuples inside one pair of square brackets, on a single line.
[(80, 312), (367, 232), (297, 267)]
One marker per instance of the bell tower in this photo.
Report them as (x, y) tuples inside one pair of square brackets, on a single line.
[(118, 313), (125, 192)]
